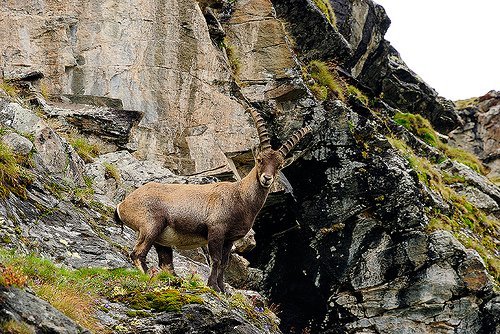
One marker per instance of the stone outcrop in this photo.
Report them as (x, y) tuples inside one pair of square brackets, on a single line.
[(480, 133), (34, 314)]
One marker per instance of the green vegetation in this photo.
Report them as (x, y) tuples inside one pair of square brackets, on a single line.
[(84, 148), (15, 327), (324, 82), (232, 57), (111, 171), (357, 94), (462, 216), (9, 88), (326, 8), (84, 195), (77, 293), (14, 177), (463, 104), (422, 128)]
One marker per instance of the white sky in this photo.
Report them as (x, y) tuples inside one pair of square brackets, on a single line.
[(453, 45)]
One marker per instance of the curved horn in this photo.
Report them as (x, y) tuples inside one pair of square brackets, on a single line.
[(260, 124), (293, 140)]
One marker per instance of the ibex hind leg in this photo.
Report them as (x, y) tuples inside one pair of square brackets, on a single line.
[(165, 258)]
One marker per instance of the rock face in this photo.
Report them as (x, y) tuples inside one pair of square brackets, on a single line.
[(36, 314), (344, 247), (480, 133)]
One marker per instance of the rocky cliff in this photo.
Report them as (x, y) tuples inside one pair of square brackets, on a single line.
[(381, 224)]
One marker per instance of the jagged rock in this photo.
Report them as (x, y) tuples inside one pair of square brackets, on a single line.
[(478, 189), (363, 24), (112, 125), (19, 144), (100, 101), (480, 133), (314, 35), (176, 76), (388, 75), (38, 315), (53, 155), (245, 244)]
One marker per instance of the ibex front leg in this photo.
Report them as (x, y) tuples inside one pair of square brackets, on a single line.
[(226, 254), (215, 244)]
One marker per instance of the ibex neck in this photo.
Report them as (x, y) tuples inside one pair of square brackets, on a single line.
[(252, 191)]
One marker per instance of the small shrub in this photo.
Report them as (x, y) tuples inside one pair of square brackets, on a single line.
[(11, 276)]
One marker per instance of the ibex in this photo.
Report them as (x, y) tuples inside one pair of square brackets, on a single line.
[(187, 216)]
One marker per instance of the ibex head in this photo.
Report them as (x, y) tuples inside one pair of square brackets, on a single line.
[(269, 161)]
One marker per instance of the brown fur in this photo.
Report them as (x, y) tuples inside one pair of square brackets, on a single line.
[(188, 216)]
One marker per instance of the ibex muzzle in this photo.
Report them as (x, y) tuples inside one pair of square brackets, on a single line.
[(187, 216)]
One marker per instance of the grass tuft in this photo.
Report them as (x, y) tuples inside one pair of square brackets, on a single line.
[(462, 215), (15, 327), (84, 148), (9, 88), (111, 171), (326, 8), (13, 176), (423, 129), (324, 82)]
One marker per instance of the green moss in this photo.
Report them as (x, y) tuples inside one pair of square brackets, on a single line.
[(138, 314), (326, 8), (160, 300)]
